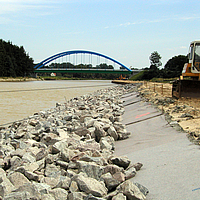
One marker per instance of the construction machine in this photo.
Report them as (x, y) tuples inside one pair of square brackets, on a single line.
[(188, 85)]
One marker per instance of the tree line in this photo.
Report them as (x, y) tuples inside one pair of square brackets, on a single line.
[(173, 67), (69, 65), (14, 61)]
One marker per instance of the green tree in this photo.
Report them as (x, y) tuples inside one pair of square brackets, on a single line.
[(14, 61), (155, 59), (174, 66)]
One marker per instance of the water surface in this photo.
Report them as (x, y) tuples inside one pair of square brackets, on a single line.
[(19, 100)]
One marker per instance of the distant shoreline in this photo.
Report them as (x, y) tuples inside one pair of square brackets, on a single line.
[(18, 79), (26, 79)]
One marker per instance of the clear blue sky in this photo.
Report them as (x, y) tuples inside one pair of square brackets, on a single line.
[(126, 30)]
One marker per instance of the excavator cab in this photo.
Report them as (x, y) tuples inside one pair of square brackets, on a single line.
[(188, 84), (192, 68)]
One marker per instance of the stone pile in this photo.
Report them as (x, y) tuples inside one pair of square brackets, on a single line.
[(67, 152)]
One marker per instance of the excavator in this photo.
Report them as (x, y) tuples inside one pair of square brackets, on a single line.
[(188, 84)]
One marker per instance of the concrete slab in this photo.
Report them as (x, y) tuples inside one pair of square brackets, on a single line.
[(171, 162)]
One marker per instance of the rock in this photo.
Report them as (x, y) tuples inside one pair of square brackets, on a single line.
[(33, 122), (15, 162), (18, 152), (73, 187), (47, 197), (99, 132), (59, 194), (107, 143), (110, 182), (119, 176), (119, 196), (120, 161), (138, 166), (28, 157), (131, 191), (42, 188), (91, 169), (5, 185), (143, 189), (68, 118), (97, 160), (64, 182), (18, 195), (51, 181), (52, 171), (82, 131), (76, 196), (113, 133), (68, 154), (130, 173), (62, 164), (41, 154), (17, 179), (90, 186), (32, 176), (29, 189), (112, 169), (91, 197), (58, 146)]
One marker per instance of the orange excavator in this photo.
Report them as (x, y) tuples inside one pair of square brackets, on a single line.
[(122, 78), (188, 84)]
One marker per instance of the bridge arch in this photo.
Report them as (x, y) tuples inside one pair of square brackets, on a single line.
[(54, 57)]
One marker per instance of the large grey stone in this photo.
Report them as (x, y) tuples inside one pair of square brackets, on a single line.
[(31, 189), (120, 161), (5, 185), (59, 193), (17, 179), (64, 182), (76, 196), (119, 196), (91, 169), (90, 185), (52, 170), (111, 183), (113, 133), (131, 191), (18, 195)]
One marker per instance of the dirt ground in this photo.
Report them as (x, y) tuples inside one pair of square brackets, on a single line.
[(185, 111)]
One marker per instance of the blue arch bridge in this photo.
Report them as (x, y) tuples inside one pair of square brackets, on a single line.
[(78, 57)]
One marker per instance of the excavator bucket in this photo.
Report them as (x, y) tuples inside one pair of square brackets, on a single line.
[(186, 88)]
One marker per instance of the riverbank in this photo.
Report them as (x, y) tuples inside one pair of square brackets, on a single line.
[(47, 78), (18, 79), (170, 161), (184, 112), (67, 152)]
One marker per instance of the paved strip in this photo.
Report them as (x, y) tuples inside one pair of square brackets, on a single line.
[(171, 162)]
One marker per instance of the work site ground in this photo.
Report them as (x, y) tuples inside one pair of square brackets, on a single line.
[(170, 160)]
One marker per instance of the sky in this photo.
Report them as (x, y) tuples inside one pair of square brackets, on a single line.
[(125, 30)]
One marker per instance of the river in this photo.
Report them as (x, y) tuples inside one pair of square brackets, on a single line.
[(19, 100)]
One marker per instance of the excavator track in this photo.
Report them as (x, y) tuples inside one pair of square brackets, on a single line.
[(186, 88)]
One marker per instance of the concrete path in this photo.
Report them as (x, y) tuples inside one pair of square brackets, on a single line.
[(171, 163)]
